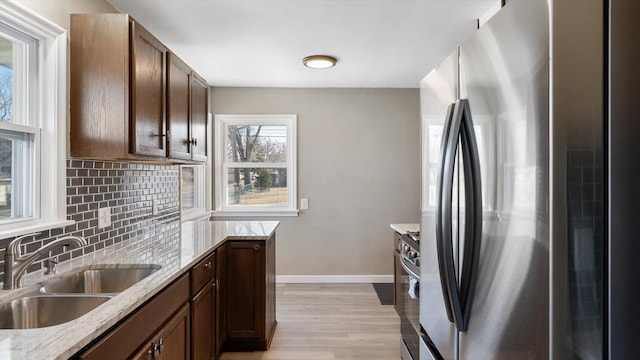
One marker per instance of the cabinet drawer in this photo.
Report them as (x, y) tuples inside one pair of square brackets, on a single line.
[(202, 273), (126, 338)]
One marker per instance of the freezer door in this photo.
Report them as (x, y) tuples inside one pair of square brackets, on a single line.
[(437, 92), (505, 77)]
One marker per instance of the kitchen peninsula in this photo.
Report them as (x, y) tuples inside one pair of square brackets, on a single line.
[(249, 246)]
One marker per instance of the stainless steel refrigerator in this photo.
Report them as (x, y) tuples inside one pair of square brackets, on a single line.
[(512, 230)]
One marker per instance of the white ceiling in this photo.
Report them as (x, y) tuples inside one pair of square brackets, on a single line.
[(261, 43)]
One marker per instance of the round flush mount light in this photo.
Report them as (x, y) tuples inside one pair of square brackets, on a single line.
[(319, 61)]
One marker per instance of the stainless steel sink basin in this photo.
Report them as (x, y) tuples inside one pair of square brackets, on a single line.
[(46, 310), (98, 280)]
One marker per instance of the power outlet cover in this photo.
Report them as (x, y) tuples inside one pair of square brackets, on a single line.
[(104, 217)]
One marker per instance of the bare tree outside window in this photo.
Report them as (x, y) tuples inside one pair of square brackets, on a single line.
[(257, 145)]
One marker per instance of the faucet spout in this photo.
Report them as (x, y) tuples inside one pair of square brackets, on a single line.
[(16, 264)]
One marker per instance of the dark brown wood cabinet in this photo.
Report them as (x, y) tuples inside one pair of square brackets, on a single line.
[(146, 326), (130, 99), (226, 302), (250, 292), (199, 117), (203, 306), (187, 109), (148, 84), (178, 112), (172, 341), (221, 297)]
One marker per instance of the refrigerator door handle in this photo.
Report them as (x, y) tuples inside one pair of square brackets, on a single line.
[(458, 295), (441, 227), (473, 212)]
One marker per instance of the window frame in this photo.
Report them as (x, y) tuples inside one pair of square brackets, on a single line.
[(48, 108), (221, 173)]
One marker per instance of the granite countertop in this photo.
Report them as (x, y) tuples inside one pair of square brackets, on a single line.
[(404, 228), (198, 238)]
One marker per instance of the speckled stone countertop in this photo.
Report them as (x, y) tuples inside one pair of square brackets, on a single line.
[(403, 228), (176, 257)]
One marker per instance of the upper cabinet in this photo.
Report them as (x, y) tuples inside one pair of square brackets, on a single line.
[(187, 111), (130, 97), (148, 93)]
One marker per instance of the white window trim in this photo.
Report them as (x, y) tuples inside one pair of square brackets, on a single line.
[(220, 174), (50, 195)]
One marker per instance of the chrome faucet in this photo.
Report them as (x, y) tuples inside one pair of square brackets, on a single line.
[(15, 264)]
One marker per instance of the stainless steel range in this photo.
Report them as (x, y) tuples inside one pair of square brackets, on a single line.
[(409, 301)]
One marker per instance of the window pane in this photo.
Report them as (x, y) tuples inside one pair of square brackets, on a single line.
[(186, 188), (192, 191), (258, 186), (6, 80), (16, 175), (257, 143)]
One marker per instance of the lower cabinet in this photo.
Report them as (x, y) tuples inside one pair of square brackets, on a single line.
[(172, 341), (162, 324), (203, 306), (250, 291), (224, 303), (221, 297)]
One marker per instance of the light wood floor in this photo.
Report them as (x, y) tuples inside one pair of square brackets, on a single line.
[(330, 322)]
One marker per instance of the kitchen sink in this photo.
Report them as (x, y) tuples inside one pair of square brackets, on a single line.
[(100, 279), (46, 310)]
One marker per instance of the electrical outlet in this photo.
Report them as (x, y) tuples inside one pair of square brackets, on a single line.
[(154, 208), (104, 217), (304, 204)]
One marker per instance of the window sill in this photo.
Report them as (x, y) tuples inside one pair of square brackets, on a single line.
[(35, 227), (254, 213)]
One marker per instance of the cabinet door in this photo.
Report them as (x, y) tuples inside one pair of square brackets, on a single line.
[(178, 83), (221, 298), (203, 323), (148, 122), (199, 115), (246, 286), (146, 353), (172, 340)]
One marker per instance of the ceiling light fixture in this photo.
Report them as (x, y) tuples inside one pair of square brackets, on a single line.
[(319, 61)]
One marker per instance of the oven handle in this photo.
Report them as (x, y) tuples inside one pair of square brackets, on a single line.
[(406, 268)]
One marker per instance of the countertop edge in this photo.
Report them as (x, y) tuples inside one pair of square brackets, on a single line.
[(404, 228)]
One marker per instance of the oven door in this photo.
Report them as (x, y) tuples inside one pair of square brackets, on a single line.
[(410, 308)]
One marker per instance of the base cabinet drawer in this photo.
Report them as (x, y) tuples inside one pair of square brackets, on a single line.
[(143, 326)]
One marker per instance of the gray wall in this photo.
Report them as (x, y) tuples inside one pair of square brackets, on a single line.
[(359, 165)]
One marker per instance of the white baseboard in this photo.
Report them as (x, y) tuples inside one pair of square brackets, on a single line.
[(333, 279)]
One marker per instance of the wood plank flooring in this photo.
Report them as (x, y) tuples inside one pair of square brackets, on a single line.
[(330, 322)]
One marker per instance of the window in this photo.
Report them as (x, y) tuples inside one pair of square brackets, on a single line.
[(193, 196), (32, 122), (255, 165)]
